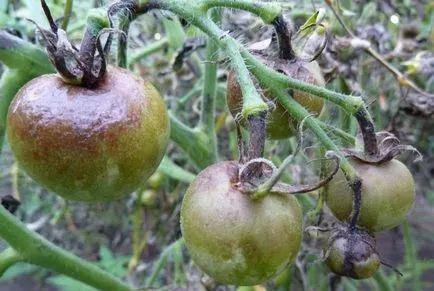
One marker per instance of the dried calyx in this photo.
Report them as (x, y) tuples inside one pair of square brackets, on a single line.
[(82, 66), (348, 251), (389, 146)]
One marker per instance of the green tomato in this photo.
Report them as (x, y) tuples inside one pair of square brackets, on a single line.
[(279, 123), (85, 144), (233, 238), (388, 194)]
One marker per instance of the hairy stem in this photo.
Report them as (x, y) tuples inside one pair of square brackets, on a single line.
[(34, 249), (351, 104), (268, 12)]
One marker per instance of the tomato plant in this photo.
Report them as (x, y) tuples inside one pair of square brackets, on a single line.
[(290, 191)]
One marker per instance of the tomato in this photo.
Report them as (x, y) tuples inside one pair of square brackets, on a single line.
[(233, 238), (388, 194), (85, 144), (358, 261), (279, 124)]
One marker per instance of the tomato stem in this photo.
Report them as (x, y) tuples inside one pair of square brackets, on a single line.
[(34, 249), (356, 186), (67, 14), (284, 34), (209, 91), (257, 136), (367, 128)]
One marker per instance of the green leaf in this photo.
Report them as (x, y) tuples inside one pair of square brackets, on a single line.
[(65, 283), (16, 271)]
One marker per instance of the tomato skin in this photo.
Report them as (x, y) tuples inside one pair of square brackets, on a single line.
[(234, 239), (388, 194), (90, 145), (279, 124), (363, 262)]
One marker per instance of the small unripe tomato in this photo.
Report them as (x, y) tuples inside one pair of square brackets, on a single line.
[(358, 261), (85, 144), (233, 238), (388, 194), (279, 123)]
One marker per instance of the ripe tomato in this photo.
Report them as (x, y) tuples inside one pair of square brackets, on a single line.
[(279, 124), (233, 238), (84, 144), (388, 194)]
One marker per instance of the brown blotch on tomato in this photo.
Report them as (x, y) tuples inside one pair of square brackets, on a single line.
[(85, 144)]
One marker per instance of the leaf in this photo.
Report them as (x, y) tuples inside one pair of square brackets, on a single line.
[(105, 254), (65, 283), (310, 36), (16, 271)]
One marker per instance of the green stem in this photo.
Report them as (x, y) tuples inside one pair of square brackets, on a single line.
[(174, 171), (159, 265), (36, 250), (346, 138), (268, 12), (194, 142), (11, 81), (383, 282), (207, 113), (351, 104), (411, 255), (8, 257), (124, 25), (300, 113), (67, 14), (252, 101), (147, 50), (19, 54)]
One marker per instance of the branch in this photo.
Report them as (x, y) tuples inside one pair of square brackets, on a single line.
[(35, 249), (207, 113)]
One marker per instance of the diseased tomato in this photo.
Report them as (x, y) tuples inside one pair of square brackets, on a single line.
[(388, 194), (233, 238), (279, 124), (84, 144), (352, 257)]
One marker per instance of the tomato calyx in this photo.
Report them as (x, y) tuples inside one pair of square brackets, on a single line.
[(389, 146), (256, 183), (81, 66)]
